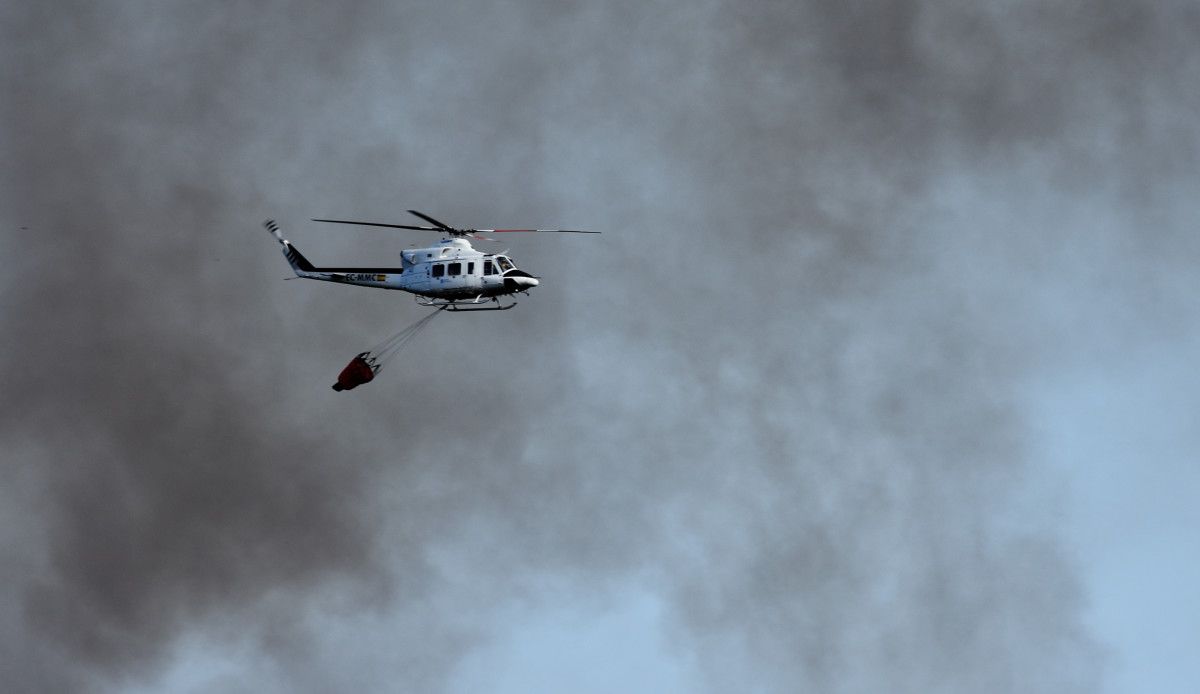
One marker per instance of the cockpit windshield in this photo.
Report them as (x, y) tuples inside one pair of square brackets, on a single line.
[(504, 263)]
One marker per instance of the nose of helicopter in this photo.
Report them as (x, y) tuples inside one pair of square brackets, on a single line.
[(519, 281)]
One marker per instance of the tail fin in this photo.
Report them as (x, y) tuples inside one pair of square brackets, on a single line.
[(298, 262)]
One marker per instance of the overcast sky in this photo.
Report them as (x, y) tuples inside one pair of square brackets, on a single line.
[(880, 377)]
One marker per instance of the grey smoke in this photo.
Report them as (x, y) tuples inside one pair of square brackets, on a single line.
[(778, 392)]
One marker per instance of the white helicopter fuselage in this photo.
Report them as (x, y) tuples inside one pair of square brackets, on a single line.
[(450, 270)]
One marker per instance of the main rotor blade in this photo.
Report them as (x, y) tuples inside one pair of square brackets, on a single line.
[(379, 224), (540, 231), (432, 221)]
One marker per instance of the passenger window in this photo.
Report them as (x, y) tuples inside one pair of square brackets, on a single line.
[(439, 270), (455, 269), (470, 268), (487, 268)]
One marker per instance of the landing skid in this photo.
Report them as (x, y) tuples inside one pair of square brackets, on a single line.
[(472, 305)]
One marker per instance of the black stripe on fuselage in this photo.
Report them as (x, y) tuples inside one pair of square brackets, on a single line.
[(363, 270)]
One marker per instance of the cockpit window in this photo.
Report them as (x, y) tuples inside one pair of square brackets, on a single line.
[(504, 263), (488, 268)]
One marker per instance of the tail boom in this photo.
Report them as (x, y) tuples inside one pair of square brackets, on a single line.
[(383, 278)]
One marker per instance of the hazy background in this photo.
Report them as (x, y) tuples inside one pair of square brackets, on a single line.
[(880, 378)]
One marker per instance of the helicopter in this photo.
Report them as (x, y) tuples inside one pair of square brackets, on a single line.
[(451, 275)]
